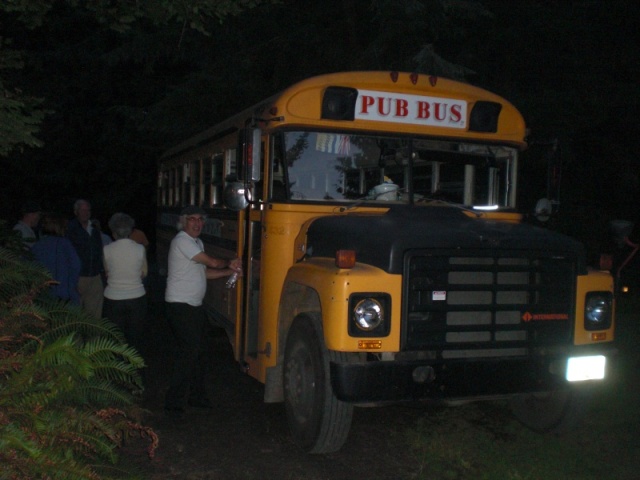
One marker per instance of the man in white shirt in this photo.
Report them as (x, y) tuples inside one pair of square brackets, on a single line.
[(189, 269)]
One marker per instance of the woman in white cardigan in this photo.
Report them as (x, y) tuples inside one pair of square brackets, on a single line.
[(125, 262)]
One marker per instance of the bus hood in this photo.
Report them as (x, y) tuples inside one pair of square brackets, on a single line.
[(383, 240)]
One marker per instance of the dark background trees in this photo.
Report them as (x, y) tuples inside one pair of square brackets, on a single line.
[(119, 84)]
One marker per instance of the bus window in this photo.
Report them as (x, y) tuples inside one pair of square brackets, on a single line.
[(217, 166), (323, 166), (177, 186), (230, 167), (206, 184), (337, 167), (491, 182), (194, 183), (162, 188), (451, 182), (170, 187)]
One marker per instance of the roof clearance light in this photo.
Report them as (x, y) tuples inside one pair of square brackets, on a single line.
[(345, 258), (339, 103)]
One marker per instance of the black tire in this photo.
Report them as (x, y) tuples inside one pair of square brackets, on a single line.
[(318, 421), (558, 411)]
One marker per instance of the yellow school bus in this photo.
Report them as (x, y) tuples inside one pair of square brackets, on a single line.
[(384, 257)]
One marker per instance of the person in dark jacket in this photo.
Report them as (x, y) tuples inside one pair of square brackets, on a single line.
[(87, 240), (56, 253)]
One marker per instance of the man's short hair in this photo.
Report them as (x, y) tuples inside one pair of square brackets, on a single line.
[(78, 203)]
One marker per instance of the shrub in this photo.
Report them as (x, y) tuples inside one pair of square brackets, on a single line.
[(68, 383)]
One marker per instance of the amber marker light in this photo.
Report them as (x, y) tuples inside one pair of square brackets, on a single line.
[(345, 258), (599, 336), (369, 344)]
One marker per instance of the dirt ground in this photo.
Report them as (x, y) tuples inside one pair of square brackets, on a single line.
[(245, 438)]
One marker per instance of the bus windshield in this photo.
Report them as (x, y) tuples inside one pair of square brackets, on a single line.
[(321, 166)]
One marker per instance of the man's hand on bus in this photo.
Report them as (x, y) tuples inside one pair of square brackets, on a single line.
[(236, 266), (219, 267)]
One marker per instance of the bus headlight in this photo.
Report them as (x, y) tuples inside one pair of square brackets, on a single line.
[(598, 308), (369, 315)]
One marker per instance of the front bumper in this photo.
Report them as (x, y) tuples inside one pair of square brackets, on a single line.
[(394, 381)]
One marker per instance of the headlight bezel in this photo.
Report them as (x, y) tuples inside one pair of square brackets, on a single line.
[(383, 327), (598, 310)]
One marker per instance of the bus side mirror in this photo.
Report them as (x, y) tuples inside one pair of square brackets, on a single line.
[(254, 158), (236, 196)]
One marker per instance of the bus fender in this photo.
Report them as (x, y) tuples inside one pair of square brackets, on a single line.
[(297, 298)]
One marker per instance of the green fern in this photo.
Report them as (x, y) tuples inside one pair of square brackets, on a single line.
[(68, 382)]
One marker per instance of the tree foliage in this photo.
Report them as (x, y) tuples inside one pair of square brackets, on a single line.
[(68, 382), (21, 113), (123, 81)]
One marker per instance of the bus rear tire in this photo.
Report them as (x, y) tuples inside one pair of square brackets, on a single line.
[(318, 421), (558, 411)]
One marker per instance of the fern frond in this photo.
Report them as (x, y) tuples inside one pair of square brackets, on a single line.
[(59, 366), (102, 348), (85, 325), (20, 278), (104, 393)]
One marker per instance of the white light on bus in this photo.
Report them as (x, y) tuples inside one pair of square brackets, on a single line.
[(585, 368), (486, 207)]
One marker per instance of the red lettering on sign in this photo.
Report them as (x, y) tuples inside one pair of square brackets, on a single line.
[(402, 109), (381, 104), (411, 109), (423, 110), (440, 111), (456, 114), (367, 101)]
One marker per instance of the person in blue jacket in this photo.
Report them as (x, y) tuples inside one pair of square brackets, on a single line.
[(55, 252)]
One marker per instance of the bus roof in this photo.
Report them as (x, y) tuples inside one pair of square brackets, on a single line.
[(301, 104)]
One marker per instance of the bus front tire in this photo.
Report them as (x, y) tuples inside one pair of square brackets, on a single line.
[(318, 421)]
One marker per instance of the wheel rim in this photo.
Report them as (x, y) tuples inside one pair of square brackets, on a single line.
[(301, 385)]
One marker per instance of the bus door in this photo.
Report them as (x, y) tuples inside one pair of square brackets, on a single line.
[(252, 281), (247, 327)]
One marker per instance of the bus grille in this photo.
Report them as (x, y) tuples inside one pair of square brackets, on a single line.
[(480, 305)]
